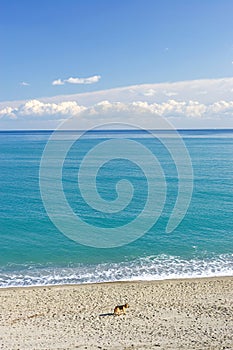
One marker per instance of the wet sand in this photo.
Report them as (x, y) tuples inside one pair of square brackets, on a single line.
[(173, 314)]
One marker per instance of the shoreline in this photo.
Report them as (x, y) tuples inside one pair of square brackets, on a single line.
[(191, 313), (118, 282)]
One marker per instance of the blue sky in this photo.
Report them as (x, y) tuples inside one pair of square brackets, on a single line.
[(119, 43)]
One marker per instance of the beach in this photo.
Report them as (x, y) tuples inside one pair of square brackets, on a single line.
[(168, 314), (116, 175)]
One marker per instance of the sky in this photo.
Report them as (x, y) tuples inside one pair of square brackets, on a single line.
[(175, 56)]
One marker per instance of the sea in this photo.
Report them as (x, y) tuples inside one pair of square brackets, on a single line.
[(37, 249)]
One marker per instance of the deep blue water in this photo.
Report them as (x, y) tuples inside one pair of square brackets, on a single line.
[(34, 251)]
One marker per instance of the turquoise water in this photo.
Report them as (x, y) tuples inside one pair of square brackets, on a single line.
[(35, 252)]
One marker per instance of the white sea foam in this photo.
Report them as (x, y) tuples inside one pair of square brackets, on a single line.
[(149, 268)]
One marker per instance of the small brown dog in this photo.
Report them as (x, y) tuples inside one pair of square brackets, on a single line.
[(121, 309)]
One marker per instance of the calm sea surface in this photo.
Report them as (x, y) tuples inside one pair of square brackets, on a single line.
[(34, 252)]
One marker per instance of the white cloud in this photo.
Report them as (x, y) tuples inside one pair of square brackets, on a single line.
[(23, 83), (37, 109), (222, 107), (58, 82), (8, 112), (90, 80), (150, 92), (71, 80)]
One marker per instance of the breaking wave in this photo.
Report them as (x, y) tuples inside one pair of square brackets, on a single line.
[(148, 268)]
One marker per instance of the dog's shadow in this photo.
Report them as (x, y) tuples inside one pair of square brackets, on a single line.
[(108, 314)]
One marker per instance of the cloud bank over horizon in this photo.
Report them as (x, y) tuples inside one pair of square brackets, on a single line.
[(188, 104)]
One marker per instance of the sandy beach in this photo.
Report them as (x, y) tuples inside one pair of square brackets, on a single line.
[(172, 314)]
